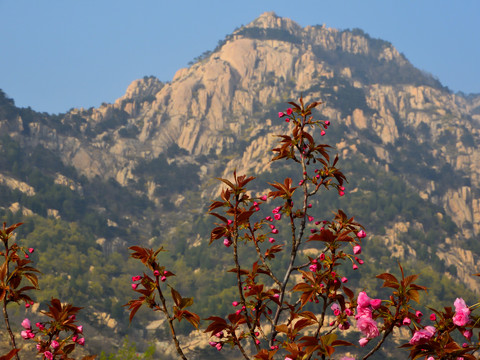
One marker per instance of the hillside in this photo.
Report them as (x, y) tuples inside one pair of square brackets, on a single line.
[(140, 170)]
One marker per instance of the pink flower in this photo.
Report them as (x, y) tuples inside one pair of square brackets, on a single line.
[(40, 325), (277, 216), (281, 114), (461, 318), (24, 334), (418, 314), (327, 123), (344, 279), (313, 267), (264, 198), (81, 341), (363, 341), (275, 231), (422, 336), (407, 321), (361, 234), (26, 324), (227, 242), (322, 133), (363, 312), (348, 312), (376, 303), (357, 249), (347, 358), (462, 312), (48, 355), (433, 317), (311, 218), (289, 111), (55, 344), (354, 267), (468, 334), (212, 343), (363, 300), (219, 346), (368, 327), (235, 303), (134, 286), (80, 329), (31, 250), (156, 273), (163, 278), (341, 193)]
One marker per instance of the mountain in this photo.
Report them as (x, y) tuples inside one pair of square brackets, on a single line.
[(140, 170)]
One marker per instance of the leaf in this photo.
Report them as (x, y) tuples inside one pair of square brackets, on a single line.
[(177, 298), (387, 277)]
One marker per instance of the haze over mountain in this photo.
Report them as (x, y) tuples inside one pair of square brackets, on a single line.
[(140, 170)]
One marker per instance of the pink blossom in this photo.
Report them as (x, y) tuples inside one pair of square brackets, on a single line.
[(24, 334), (327, 123), (313, 267), (422, 336), (134, 286), (55, 344), (31, 250), (48, 355), (462, 312), (341, 193), (163, 278), (212, 343), (363, 312), (376, 303), (235, 303), (406, 321), (368, 327), (26, 324), (40, 325), (156, 273), (271, 240), (354, 267), (311, 218), (219, 346), (289, 111), (468, 334), (264, 198), (418, 314), (275, 231), (227, 242), (281, 114), (433, 317), (363, 341), (277, 216), (361, 234), (322, 133), (461, 318), (348, 312), (81, 341), (344, 279), (363, 300), (80, 329), (357, 249), (347, 358)]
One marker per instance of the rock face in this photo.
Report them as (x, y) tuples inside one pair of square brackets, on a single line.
[(224, 104)]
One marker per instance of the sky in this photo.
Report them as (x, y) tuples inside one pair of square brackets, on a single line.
[(59, 54)]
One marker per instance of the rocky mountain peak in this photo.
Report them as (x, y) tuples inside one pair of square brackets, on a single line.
[(270, 20)]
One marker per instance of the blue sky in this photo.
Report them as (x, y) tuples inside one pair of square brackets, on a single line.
[(59, 54)]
